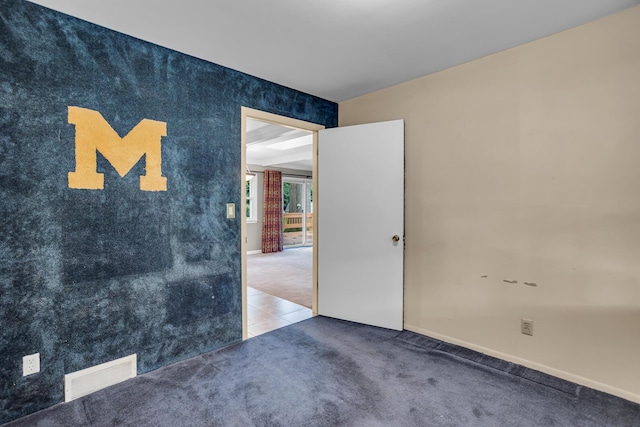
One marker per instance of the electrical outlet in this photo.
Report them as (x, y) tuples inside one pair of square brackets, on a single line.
[(30, 364), (526, 326)]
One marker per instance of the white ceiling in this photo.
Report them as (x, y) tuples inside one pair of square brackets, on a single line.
[(270, 145), (339, 49)]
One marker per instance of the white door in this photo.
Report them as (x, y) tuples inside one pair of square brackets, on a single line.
[(361, 223)]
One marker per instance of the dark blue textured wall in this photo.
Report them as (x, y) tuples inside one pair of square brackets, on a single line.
[(87, 276)]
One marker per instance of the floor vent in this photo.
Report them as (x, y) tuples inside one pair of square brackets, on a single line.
[(86, 381)]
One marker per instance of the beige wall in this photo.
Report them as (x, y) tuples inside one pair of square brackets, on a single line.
[(525, 165)]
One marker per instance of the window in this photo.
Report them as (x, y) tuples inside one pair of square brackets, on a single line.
[(250, 191), (297, 203)]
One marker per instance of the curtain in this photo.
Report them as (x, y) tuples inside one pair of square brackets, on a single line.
[(272, 216)]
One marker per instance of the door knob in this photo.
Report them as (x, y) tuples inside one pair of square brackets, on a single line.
[(395, 238)]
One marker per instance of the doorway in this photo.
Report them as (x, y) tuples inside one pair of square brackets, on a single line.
[(303, 196)]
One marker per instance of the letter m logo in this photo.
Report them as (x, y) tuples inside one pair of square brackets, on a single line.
[(94, 134)]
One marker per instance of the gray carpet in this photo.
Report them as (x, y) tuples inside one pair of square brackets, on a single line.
[(326, 372), (286, 274)]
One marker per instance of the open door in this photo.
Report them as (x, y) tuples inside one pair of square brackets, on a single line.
[(361, 223)]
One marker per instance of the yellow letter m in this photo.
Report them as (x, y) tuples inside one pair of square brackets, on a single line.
[(94, 134)]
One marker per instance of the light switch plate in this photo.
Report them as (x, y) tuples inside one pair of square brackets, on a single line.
[(231, 210)]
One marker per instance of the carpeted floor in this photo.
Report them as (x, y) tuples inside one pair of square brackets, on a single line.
[(286, 274), (327, 372)]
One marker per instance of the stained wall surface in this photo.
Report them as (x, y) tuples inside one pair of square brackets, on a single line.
[(88, 276), (522, 181)]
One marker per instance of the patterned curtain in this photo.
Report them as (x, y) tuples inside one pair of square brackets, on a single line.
[(272, 214)]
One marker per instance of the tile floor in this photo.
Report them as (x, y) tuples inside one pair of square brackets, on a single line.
[(266, 312)]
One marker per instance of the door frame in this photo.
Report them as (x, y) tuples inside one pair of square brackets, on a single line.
[(250, 113)]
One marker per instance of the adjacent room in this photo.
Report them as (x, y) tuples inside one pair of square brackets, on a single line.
[(353, 213), (279, 275)]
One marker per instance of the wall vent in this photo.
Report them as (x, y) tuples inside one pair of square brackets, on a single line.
[(86, 381)]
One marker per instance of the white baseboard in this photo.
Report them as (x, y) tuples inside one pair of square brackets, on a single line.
[(257, 251), (633, 397)]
